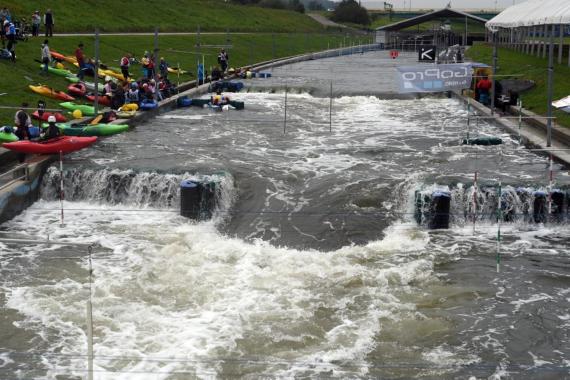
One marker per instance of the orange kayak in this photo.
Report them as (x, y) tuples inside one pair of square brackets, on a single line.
[(51, 93)]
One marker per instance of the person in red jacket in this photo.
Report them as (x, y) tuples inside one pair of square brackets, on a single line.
[(80, 56), (483, 88)]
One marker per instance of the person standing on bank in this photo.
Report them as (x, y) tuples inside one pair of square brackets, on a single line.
[(36, 21), (223, 59), (125, 63), (80, 61), (49, 22), (10, 30), (46, 57)]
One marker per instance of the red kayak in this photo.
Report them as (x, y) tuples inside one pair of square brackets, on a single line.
[(64, 144), (103, 99), (57, 56), (77, 89), (58, 117)]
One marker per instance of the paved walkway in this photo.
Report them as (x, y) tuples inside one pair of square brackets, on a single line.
[(325, 21)]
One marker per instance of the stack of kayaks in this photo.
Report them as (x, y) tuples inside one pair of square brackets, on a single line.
[(51, 93), (64, 144), (58, 117), (85, 109), (7, 135), (91, 130)]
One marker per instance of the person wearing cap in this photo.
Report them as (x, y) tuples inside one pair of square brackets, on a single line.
[(36, 21), (80, 56), (52, 131), (46, 57)]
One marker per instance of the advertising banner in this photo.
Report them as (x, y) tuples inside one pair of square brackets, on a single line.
[(434, 78)]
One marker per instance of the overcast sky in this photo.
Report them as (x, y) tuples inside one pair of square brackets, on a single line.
[(435, 4)]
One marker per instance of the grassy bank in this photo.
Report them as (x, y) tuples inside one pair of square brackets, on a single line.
[(173, 16), (533, 68), (177, 50)]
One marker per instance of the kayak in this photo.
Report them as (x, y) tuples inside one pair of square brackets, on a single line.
[(125, 114), (148, 104), (103, 99), (85, 109), (129, 107), (175, 70), (58, 117), (92, 130), (60, 72), (64, 144), (60, 57), (51, 93), (6, 135), (77, 89), (113, 74), (89, 85)]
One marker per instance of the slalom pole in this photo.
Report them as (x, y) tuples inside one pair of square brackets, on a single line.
[(520, 119), (285, 113), (90, 321), (550, 185), (330, 108), (61, 193), (499, 217), (475, 192)]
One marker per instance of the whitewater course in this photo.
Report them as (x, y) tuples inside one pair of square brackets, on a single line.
[(313, 264)]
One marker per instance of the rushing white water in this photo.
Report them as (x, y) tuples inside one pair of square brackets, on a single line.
[(175, 299)]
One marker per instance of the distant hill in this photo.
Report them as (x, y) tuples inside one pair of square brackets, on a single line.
[(169, 16)]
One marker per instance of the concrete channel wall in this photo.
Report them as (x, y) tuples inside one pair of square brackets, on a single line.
[(22, 191)]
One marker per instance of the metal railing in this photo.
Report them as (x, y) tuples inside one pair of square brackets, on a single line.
[(20, 172)]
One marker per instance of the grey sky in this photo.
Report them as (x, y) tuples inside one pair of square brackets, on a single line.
[(435, 4)]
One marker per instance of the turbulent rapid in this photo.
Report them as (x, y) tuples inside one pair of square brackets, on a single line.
[(313, 264)]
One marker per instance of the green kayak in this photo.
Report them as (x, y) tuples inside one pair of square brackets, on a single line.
[(89, 85), (85, 109), (60, 72), (92, 130), (7, 136)]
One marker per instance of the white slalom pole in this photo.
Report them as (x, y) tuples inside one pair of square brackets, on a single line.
[(475, 192)]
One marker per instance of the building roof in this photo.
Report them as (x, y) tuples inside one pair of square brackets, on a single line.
[(442, 13), (532, 12)]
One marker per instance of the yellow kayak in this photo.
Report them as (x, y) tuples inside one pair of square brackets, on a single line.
[(51, 93), (126, 114), (174, 70), (129, 107)]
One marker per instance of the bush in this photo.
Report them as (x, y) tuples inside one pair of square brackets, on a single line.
[(296, 5), (351, 11)]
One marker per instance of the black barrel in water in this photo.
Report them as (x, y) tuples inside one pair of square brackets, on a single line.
[(440, 207), (197, 199), (539, 207), (190, 199)]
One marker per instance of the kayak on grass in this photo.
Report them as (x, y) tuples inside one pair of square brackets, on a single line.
[(85, 109), (51, 93), (103, 99), (60, 72), (89, 85), (78, 89), (58, 117), (64, 144)]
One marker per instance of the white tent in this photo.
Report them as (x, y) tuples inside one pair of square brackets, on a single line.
[(531, 13)]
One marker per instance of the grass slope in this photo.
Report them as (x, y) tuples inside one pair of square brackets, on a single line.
[(514, 63), (171, 16), (246, 49)]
